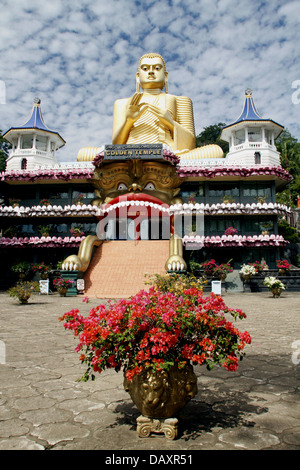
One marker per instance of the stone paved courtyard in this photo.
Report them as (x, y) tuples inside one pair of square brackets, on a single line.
[(42, 406)]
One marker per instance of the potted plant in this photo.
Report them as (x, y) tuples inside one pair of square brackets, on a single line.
[(212, 269), (228, 199), (260, 199), (45, 202), (275, 285), (62, 285), (156, 337), (42, 269), (22, 269), (283, 266), (222, 270), (191, 198), (77, 231), (11, 231), (209, 267), (79, 199), (14, 201), (247, 271), (231, 231), (258, 266), (23, 290), (44, 230)]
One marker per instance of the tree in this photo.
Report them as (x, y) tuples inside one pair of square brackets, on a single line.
[(289, 149), (211, 135), (4, 150)]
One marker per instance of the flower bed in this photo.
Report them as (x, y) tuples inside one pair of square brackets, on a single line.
[(49, 211), (61, 174), (245, 172), (235, 240), (236, 208), (42, 242)]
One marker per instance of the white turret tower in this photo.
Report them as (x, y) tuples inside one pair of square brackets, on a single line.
[(252, 138), (33, 144)]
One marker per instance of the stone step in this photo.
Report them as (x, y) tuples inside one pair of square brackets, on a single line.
[(118, 267)]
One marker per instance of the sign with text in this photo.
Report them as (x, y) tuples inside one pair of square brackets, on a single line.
[(131, 152), (44, 286)]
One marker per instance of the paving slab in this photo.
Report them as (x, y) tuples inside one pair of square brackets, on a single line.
[(43, 406)]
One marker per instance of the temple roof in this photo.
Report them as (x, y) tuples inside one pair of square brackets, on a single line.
[(36, 121), (250, 113)]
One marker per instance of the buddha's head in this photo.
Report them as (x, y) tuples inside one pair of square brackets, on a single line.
[(152, 72)]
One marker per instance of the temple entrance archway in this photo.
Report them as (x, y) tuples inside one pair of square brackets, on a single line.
[(135, 217)]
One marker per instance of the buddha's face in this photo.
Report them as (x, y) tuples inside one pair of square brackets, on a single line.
[(151, 73)]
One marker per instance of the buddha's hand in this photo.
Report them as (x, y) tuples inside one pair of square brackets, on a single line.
[(135, 108), (163, 115)]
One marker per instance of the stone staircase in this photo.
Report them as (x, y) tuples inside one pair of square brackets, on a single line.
[(118, 267)]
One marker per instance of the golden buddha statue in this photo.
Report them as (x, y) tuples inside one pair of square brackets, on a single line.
[(152, 116)]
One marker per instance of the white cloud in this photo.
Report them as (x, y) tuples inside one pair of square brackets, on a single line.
[(79, 56)]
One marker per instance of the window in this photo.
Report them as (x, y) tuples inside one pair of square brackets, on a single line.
[(239, 137), (41, 143), (254, 135), (257, 158), (24, 164), (221, 190), (27, 141), (218, 225), (256, 190)]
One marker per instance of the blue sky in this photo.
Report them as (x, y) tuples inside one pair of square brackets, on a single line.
[(78, 56)]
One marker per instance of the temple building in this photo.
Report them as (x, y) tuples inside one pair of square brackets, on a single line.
[(125, 210)]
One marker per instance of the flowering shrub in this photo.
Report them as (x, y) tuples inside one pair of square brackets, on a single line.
[(231, 231), (175, 283), (61, 283), (283, 264), (211, 268), (157, 330), (23, 290), (41, 268), (272, 282)]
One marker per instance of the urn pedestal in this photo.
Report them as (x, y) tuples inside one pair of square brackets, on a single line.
[(276, 291), (159, 396)]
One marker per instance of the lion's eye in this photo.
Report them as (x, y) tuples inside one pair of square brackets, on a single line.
[(149, 186), (121, 186)]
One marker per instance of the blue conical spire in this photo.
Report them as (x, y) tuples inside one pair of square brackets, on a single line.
[(249, 112), (36, 121)]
